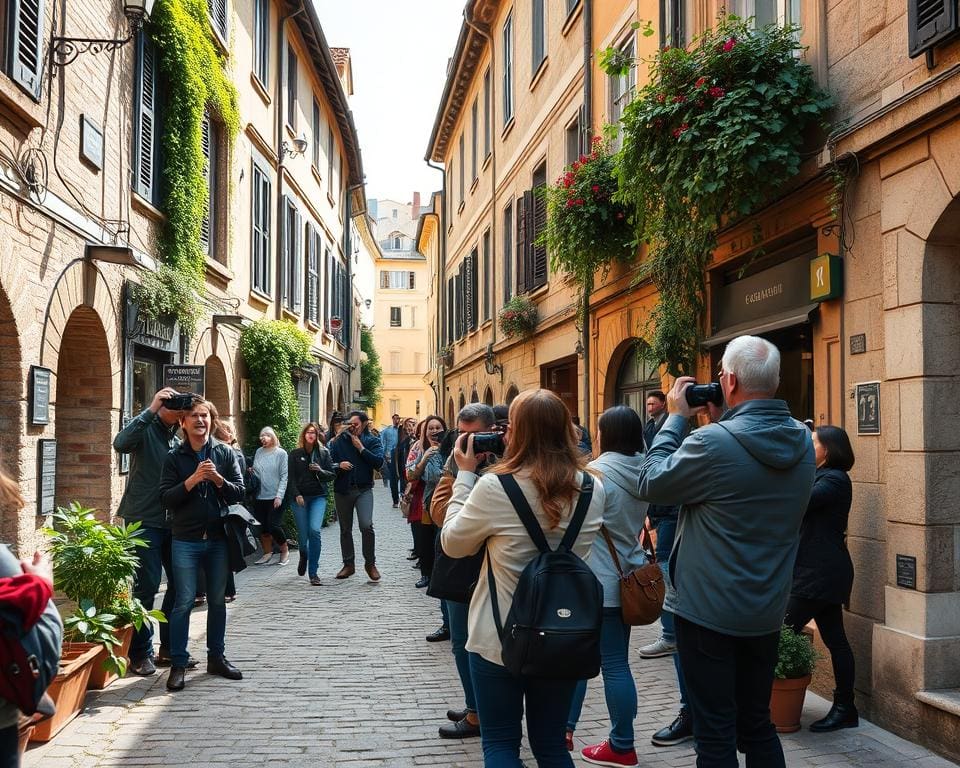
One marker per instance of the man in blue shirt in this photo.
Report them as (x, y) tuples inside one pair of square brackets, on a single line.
[(356, 453), (390, 436)]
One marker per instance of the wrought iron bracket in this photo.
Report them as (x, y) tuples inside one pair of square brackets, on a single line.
[(65, 50)]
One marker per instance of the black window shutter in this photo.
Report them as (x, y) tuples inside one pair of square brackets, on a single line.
[(285, 237), (474, 287), (458, 299), (521, 243), (205, 138), (469, 293), (146, 136), (930, 22), (538, 262), (412, 282), (25, 25), (296, 277)]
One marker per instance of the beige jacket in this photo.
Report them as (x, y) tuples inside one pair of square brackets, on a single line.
[(479, 512)]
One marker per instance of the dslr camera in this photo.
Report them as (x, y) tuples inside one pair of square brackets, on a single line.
[(181, 402), (701, 394), (485, 442)]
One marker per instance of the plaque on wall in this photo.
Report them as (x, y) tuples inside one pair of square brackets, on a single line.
[(91, 142), (858, 344), (868, 408), (39, 395), (46, 476), (184, 378), (906, 571)]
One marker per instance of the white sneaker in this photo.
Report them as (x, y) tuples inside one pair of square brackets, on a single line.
[(267, 557), (655, 650)]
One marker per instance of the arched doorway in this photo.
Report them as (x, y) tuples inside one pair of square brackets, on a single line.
[(328, 406), (216, 389), (451, 413), (635, 379), (341, 403), (488, 396), (474, 397), (83, 404), (10, 421), (512, 392), (463, 401)]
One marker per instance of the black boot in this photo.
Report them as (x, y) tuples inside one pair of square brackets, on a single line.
[(839, 716), (175, 678)]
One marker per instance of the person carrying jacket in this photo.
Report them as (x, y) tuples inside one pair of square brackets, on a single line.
[(310, 468), (200, 479), (743, 485), (356, 453)]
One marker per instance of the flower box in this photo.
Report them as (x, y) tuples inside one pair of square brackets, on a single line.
[(100, 676), (68, 688)]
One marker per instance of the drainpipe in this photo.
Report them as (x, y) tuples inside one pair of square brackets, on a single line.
[(441, 303), (588, 127), (348, 304)]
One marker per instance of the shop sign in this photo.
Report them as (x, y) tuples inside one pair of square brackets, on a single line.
[(39, 395), (158, 330), (826, 277), (770, 292), (46, 476), (91, 142), (868, 408), (184, 378)]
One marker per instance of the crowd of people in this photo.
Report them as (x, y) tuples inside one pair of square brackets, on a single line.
[(749, 511)]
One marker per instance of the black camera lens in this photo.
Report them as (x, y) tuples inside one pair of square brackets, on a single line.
[(486, 442), (181, 402), (701, 394)]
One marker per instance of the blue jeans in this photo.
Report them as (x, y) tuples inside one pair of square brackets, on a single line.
[(456, 620), (618, 686), (666, 529), (500, 704), (146, 582), (188, 557), (309, 525)]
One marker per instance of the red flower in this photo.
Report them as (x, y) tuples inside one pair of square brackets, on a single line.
[(716, 92), (679, 99), (584, 159), (661, 97), (575, 166), (665, 48), (595, 188), (700, 82), (569, 203), (596, 140), (728, 46), (678, 132)]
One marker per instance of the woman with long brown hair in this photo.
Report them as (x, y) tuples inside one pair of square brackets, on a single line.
[(426, 466), (542, 455), (309, 470)]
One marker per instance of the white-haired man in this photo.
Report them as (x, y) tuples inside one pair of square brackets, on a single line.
[(743, 483)]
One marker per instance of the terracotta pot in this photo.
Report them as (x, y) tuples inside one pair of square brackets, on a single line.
[(786, 703), (68, 688), (100, 678)]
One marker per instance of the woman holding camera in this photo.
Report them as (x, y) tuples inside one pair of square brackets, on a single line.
[(427, 467), (542, 455), (310, 468), (823, 571), (271, 466)]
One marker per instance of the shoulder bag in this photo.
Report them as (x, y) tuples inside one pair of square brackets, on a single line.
[(641, 590)]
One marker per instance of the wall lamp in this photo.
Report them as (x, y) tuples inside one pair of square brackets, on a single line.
[(111, 254), (490, 365), (235, 321), (299, 147), (65, 50)]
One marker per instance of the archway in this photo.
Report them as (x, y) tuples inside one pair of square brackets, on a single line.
[(474, 397), (631, 377), (328, 408), (512, 392), (83, 405), (341, 403), (216, 388), (488, 396), (463, 400), (451, 413), (10, 420)]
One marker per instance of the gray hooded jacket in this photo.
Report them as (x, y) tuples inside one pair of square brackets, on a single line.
[(743, 484)]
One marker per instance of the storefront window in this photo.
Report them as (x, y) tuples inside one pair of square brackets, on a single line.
[(147, 377)]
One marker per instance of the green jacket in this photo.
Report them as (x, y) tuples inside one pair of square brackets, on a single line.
[(148, 441)]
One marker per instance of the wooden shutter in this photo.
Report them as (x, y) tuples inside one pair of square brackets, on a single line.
[(312, 248), (205, 139), (146, 136), (469, 292), (538, 261), (458, 297), (930, 22), (412, 280), (285, 237), (474, 290), (25, 25), (296, 274), (521, 243)]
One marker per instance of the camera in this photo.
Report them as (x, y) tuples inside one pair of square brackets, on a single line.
[(701, 394), (485, 442), (181, 402)]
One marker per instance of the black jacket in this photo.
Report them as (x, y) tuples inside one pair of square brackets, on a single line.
[(823, 569), (657, 512), (364, 462), (198, 512), (301, 481)]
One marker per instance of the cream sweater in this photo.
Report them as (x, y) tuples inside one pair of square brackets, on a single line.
[(479, 511)]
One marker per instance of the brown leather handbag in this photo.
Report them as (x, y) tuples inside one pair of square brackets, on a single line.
[(641, 590)]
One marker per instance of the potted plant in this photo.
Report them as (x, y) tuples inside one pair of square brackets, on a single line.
[(445, 354), (518, 317), (68, 688), (796, 659)]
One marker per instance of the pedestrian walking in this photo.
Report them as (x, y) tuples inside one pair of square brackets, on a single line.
[(743, 483), (271, 467), (356, 454), (200, 479), (620, 442), (310, 469), (823, 573), (542, 455)]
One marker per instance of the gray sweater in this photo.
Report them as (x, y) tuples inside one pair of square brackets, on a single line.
[(271, 467)]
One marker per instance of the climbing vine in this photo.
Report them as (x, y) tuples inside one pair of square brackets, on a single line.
[(270, 349), (195, 82)]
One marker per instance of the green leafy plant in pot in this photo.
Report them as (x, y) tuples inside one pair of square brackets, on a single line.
[(796, 660)]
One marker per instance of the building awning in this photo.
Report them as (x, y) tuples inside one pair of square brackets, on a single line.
[(795, 316)]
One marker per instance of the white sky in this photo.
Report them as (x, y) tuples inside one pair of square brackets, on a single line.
[(399, 53)]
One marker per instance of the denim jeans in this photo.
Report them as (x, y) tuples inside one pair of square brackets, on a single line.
[(456, 619), (360, 499), (188, 557), (618, 686), (146, 582), (728, 685), (666, 528), (500, 704), (309, 525), (397, 483)]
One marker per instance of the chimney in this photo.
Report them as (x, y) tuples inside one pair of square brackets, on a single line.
[(415, 207)]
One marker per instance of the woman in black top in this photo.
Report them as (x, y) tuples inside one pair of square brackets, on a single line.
[(823, 574), (309, 470)]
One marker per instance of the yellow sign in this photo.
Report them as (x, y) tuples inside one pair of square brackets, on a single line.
[(826, 273)]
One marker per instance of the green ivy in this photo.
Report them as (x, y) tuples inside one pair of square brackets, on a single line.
[(195, 81), (716, 132), (270, 349), (371, 373)]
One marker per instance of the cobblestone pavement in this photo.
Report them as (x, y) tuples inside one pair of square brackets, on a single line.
[(340, 676)]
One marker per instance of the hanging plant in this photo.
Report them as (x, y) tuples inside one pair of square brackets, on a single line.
[(716, 132), (587, 228), (518, 317), (445, 354)]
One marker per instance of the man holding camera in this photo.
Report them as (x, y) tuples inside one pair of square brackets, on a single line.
[(356, 453), (148, 439), (743, 484)]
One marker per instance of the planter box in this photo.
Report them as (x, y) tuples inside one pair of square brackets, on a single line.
[(68, 688), (786, 703), (100, 678)]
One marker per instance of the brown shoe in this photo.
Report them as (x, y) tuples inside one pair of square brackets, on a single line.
[(346, 572), (372, 571)]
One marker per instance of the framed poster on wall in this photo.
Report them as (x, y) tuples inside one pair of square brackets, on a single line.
[(868, 408)]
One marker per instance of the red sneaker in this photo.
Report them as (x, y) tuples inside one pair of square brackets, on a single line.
[(603, 754)]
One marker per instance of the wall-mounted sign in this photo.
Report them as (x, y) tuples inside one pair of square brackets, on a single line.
[(858, 344), (906, 571), (39, 395), (91, 142), (766, 293), (868, 408), (826, 277), (46, 476), (184, 378)]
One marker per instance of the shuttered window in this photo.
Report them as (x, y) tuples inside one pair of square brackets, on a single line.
[(507, 253), (486, 279), (508, 69), (25, 20), (471, 292), (317, 127), (474, 138), (538, 43), (487, 117), (448, 323), (146, 138), (538, 266), (463, 165), (524, 216), (292, 267), (458, 295), (327, 308), (260, 236), (219, 18), (209, 144), (395, 315), (292, 75), (930, 22), (261, 40), (313, 275)]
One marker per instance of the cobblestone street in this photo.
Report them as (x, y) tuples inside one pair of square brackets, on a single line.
[(340, 675)]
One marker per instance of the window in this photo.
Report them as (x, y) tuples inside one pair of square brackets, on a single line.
[(210, 144), (507, 253), (572, 140), (397, 243), (463, 165), (418, 408), (292, 76), (317, 127), (313, 275), (766, 12), (261, 40), (24, 40), (261, 206), (531, 219), (468, 277), (413, 317), (487, 117), (398, 279), (330, 160), (449, 323), (394, 405), (486, 276), (292, 267), (674, 16), (538, 44), (474, 138), (394, 214), (395, 368), (219, 19), (622, 88), (146, 141), (395, 317), (508, 69)]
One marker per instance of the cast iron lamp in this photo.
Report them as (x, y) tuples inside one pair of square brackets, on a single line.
[(65, 50)]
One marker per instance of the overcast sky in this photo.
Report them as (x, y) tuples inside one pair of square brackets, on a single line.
[(399, 53)]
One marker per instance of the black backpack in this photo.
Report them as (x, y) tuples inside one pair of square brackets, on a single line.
[(553, 627)]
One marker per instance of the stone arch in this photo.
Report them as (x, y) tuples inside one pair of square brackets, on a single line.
[(217, 386), (341, 402), (451, 411), (84, 413), (222, 368), (488, 396), (623, 353), (512, 392), (11, 420), (328, 407), (463, 400), (474, 397)]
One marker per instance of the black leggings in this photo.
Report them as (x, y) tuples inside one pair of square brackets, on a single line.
[(425, 535), (829, 618), (269, 519)]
